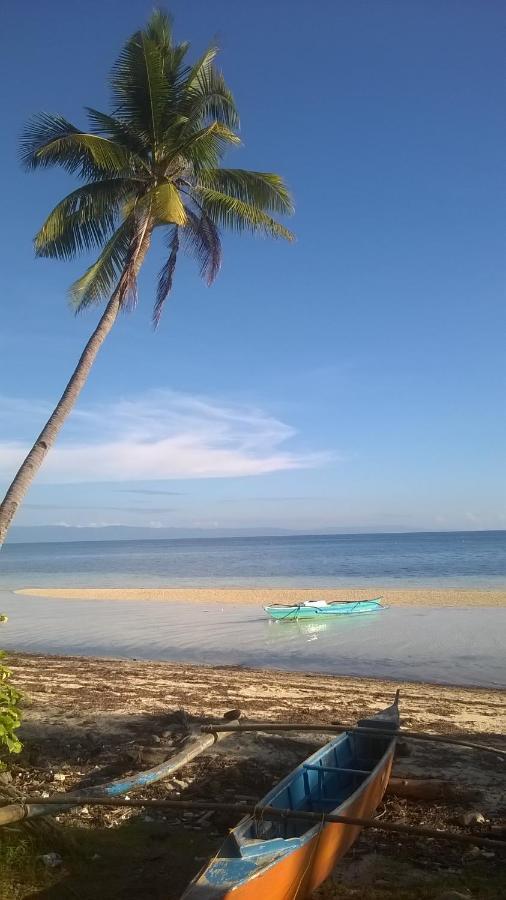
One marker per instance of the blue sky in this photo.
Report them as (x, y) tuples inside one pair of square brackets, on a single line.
[(355, 378)]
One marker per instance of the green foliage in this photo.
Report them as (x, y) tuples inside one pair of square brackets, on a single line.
[(10, 718), (154, 161)]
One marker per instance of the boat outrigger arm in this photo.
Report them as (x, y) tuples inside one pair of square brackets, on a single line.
[(194, 746)]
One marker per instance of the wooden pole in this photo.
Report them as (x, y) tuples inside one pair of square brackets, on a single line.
[(268, 812), (196, 745), (339, 727)]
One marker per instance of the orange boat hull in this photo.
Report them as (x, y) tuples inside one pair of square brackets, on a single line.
[(299, 873)]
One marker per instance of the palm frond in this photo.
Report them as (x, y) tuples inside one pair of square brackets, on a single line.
[(202, 241), (100, 278), (140, 88), (204, 147), (51, 140), (118, 131), (166, 277), (83, 219), (208, 97), (230, 212), (263, 189), (202, 65), (160, 29)]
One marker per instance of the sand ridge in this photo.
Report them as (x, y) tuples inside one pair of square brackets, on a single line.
[(425, 597)]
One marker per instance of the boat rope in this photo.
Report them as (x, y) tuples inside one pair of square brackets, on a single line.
[(310, 860), (267, 812)]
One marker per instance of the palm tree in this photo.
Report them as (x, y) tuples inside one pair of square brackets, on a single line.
[(155, 161)]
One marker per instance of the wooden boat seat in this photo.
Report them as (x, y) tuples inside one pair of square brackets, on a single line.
[(336, 769)]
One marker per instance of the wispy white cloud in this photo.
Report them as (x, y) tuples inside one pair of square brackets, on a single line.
[(160, 435)]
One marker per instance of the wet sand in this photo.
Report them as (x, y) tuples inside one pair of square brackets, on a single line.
[(425, 597)]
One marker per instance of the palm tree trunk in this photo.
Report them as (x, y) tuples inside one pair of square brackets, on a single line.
[(30, 466), (33, 461)]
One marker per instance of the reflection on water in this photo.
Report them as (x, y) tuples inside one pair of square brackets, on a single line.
[(459, 646), (299, 630)]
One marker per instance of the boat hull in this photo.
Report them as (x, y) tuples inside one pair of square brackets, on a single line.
[(290, 613), (299, 873), (291, 865)]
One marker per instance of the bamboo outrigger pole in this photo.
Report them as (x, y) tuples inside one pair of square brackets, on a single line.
[(339, 727), (258, 812), (195, 745)]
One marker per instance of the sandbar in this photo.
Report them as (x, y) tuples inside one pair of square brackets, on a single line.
[(424, 597)]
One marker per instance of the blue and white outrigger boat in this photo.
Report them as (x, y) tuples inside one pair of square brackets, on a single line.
[(315, 609)]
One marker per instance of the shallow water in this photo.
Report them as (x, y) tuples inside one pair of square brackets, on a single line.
[(452, 646)]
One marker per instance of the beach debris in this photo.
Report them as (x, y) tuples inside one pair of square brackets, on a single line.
[(472, 853), (431, 789), (454, 895), (59, 776), (205, 818), (151, 756), (472, 818), (51, 860), (180, 783)]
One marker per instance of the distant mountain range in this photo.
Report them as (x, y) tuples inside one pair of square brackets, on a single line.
[(62, 533), (48, 533)]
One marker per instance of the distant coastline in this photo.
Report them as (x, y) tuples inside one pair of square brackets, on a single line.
[(48, 534)]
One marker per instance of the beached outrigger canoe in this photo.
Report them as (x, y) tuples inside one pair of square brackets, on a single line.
[(313, 609), (286, 859)]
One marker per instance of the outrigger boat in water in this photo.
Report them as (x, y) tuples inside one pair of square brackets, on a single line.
[(284, 859), (313, 609)]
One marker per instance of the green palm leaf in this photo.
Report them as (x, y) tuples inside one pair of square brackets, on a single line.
[(263, 189), (140, 88), (118, 131), (51, 140), (84, 219), (230, 212), (208, 97), (100, 278)]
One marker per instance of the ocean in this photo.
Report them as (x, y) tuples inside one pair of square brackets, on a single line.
[(457, 646), (472, 560)]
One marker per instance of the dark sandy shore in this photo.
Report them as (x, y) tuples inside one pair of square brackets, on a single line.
[(90, 720)]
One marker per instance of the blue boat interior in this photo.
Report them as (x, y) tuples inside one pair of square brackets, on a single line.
[(321, 784)]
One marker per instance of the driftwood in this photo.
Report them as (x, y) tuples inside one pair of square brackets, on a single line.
[(431, 789)]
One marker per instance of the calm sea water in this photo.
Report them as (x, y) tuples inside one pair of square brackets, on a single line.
[(455, 646), (450, 559)]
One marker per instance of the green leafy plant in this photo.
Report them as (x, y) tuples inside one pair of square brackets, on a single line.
[(10, 715)]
